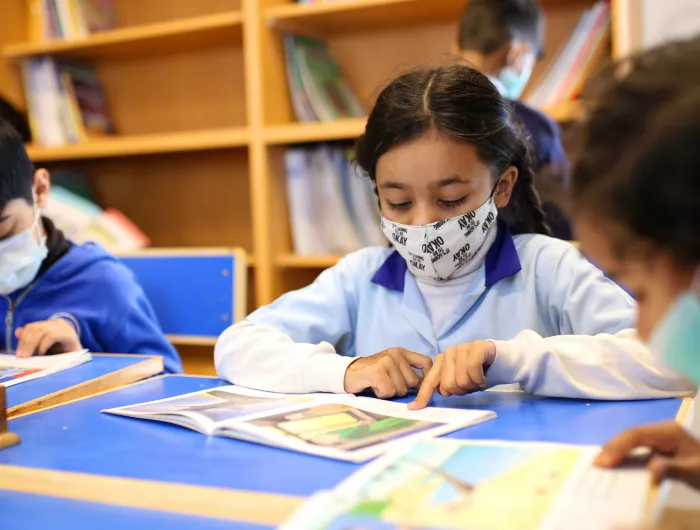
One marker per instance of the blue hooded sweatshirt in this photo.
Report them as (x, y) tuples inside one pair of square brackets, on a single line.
[(90, 288)]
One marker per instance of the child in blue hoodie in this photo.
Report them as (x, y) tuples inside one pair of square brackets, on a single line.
[(56, 296)]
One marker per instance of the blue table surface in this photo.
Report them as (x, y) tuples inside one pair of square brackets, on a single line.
[(27, 510), (97, 367), (76, 437)]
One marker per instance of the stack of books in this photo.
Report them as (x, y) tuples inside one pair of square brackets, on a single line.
[(81, 220), (66, 102), (333, 210), (319, 90), (576, 60), (69, 19)]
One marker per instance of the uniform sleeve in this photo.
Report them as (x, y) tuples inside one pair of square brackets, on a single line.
[(595, 352), (136, 329), (291, 345)]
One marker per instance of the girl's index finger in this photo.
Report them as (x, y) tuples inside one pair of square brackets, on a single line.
[(427, 387)]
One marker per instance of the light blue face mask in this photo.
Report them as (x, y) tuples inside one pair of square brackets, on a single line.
[(677, 336), (514, 82)]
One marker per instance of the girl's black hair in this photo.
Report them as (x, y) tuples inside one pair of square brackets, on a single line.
[(463, 104), (640, 158)]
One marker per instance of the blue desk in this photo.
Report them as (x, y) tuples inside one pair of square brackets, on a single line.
[(104, 372), (77, 438), (27, 510)]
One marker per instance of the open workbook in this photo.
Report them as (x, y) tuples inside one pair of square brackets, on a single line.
[(455, 484), (14, 370), (343, 427)]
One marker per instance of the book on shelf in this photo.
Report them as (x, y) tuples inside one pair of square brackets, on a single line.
[(15, 370), (69, 19), (81, 221), (576, 60), (318, 87), (65, 101), (338, 426), (332, 209), (450, 484)]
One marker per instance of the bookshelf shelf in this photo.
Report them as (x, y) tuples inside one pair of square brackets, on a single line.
[(564, 112), (293, 261), (296, 133), (148, 39), (119, 146), (362, 14)]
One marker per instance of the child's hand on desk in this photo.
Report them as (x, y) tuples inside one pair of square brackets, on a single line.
[(388, 373), (48, 336), (458, 371), (678, 453)]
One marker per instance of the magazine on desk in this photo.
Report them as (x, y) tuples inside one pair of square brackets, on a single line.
[(342, 427), (487, 485), (14, 370)]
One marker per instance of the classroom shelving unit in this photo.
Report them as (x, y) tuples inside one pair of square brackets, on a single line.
[(198, 93)]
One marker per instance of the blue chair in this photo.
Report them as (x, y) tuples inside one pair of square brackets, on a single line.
[(195, 293)]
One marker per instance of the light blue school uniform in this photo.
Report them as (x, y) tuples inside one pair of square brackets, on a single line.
[(370, 301)]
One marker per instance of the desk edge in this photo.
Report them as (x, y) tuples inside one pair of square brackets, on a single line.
[(149, 366)]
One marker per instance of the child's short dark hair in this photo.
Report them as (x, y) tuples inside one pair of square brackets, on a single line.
[(639, 159), (487, 25), (10, 113), (16, 170)]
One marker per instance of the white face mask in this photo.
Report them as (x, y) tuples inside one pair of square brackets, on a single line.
[(20, 259), (442, 250)]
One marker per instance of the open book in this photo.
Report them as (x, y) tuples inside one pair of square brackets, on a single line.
[(450, 484), (343, 427), (14, 370)]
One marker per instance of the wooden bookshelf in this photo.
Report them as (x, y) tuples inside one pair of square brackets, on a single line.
[(361, 15), (293, 261), (164, 37), (314, 132), (143, 144), (198, 92)]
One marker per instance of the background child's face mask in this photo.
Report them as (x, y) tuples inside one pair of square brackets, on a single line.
[(21, 257), (439, 251)]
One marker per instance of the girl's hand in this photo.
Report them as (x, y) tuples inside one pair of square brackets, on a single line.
[(678, 452), (388, 373), (47, 336), (459, 370)]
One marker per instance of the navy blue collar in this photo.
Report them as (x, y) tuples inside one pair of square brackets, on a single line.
[(501, 262)]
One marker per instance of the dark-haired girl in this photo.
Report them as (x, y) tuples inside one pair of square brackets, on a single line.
[(637, 193), (472, 292)]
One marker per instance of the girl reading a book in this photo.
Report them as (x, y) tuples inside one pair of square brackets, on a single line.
[(637, 198), (472, 291)]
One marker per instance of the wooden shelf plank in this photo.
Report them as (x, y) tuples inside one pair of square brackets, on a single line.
[(295, 133), (118, 146), (163, 37), (361, 15), (565, 111), (293, 261), (354, 15)]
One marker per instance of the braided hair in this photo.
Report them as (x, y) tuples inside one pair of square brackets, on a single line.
[(463, 104)]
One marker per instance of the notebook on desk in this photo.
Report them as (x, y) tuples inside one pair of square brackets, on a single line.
[(15, 370), (342, 427)]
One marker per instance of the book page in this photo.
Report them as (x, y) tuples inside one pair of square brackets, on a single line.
[(354, 429), (15, 370), (456, 484)]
